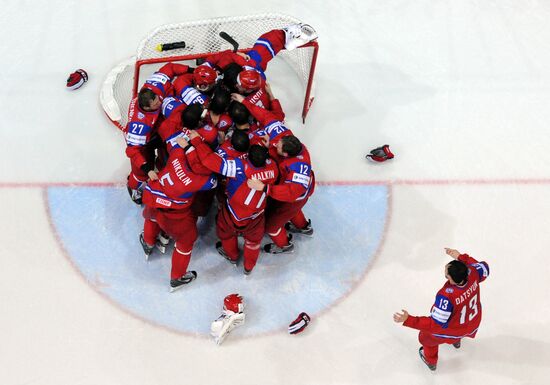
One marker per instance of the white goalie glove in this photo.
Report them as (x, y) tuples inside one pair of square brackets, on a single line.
[(231, 317)]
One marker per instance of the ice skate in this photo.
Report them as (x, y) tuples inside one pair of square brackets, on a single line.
[(297, 35), (163, 240), (456, 345), (430, 366), (274, 249), (221, 251), (175, 284), (308, 230), (147, 249), (246, 271)]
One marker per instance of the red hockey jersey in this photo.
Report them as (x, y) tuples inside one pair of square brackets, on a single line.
[(261, 100), (243, 203), (226, 150), (177, 184), (142, 125), (172, 129), (456, 312), (224, 58), (271, 122), (296, 181)]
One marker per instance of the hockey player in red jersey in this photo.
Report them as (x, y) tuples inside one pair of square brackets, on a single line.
[(245, 72), (168, 202), (251, 85), (243, 122), (261, 97), (143, 120), (266, 47), (270, 121), (196, 87), (179, 125), (184, 119), (236, 146), (456, 312), (296, 184), (263, 116), (242, 211), (217, 115)]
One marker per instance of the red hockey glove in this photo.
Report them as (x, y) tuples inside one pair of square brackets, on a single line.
[(77, 79), (380, 154), (299, 324)]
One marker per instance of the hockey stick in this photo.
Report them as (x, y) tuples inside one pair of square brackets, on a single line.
[(225, 36), (170, 46)]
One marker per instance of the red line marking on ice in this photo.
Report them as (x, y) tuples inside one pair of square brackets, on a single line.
[(59, 184), (394, 182), (438, 182)]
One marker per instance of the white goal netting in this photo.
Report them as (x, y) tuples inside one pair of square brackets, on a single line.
[(201, 39)]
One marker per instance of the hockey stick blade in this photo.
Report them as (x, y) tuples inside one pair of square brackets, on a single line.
[(225, 36)]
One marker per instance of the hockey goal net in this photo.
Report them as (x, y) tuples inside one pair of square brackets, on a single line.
[(201, 39)]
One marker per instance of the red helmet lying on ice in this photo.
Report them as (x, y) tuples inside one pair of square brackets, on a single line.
[(234, 303)]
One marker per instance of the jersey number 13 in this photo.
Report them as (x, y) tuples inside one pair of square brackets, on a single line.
[(471, 309)]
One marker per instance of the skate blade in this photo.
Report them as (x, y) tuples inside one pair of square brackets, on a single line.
[(173, 289)]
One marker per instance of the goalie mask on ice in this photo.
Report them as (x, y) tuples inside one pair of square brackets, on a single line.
[(380, 154), (231, 317), (77, 79)]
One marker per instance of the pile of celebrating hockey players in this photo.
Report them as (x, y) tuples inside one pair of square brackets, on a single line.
[(215, 135)]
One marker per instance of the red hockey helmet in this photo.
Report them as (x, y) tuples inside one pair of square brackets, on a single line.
[(204, 77), (234, 303), (249, 80)]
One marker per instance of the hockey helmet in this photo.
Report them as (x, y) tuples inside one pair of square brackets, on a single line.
[(234, 303), (249, 80), (204, 77)]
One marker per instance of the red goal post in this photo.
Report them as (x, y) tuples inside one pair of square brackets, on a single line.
[(201, 38)]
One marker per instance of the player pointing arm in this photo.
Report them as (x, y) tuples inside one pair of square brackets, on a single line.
[(456, 312)]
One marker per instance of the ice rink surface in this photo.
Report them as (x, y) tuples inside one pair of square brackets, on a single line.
[(459, 89)]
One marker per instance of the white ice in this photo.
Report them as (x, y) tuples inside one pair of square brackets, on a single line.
[(459, 89)]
